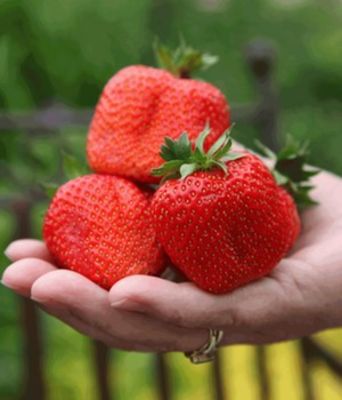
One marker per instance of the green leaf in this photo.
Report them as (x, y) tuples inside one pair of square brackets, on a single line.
[(187, 169), (174, 175), (183, 147), (292, 173), (166, 153), (293, 149), (176, 149), (265, 150), (309, 173), (223, 151), (182, 61), (169, 166), (232, 157), (171, 144), (209, 60), (201, 138), (221, 165), (182, 160), (301, 195), (280, 179), (223, 140), (164, 57)]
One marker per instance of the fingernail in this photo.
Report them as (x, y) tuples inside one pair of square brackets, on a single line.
[(7, 252), (39, 298), (36, 299), (126, 304), (6, 284)]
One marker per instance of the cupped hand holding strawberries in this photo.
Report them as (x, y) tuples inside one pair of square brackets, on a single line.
[(221, 217), (301, 296)]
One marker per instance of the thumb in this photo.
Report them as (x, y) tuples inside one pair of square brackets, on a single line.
[(182, 304)]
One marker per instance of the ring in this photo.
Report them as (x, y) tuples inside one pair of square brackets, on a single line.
[(208, 350)]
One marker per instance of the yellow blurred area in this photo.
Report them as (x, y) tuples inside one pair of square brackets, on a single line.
[(284, 366)]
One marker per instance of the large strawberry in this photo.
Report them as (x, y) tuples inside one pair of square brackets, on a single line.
[(101, 227), (141, 105), (221, 217)]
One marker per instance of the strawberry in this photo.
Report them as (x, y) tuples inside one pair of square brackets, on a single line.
[(220, 216), (141, 105), (101, 227)]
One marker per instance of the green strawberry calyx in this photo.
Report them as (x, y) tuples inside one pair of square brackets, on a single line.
[(183, 159), (291, 171), (182, 61)]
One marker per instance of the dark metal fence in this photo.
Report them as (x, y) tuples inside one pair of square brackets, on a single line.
[(263, 115)]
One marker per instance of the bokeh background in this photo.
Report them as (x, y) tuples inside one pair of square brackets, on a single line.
[(63, 52)]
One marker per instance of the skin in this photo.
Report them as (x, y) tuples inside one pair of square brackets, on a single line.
[(302, 295)]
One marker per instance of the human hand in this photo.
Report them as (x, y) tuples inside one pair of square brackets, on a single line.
[(301, 296), (85, 306)]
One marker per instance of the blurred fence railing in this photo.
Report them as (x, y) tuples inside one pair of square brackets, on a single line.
[(263, 114)]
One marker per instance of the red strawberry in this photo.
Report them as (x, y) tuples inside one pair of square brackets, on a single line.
[(141, 105), (100, 226), (225, 222)]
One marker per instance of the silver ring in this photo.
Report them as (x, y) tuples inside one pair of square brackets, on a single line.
[(207, 352)]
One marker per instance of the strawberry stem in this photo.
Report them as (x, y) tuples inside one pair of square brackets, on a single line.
[(182, 61), (183, 159)]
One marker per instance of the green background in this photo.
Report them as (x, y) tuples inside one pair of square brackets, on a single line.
[(65, 51)]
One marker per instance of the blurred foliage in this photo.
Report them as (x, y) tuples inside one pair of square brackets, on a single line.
[(58, 51)]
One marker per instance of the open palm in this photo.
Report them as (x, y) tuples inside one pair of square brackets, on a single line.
[(301, 296)]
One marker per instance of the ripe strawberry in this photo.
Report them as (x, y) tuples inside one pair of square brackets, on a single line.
[(100, 226), (226, 221), (141, 105)]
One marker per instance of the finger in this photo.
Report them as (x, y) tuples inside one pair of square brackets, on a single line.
[(182, 304), (66, 315), (21, 275), (25, 248), (90, 304), (278, 307), (185, 305)]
